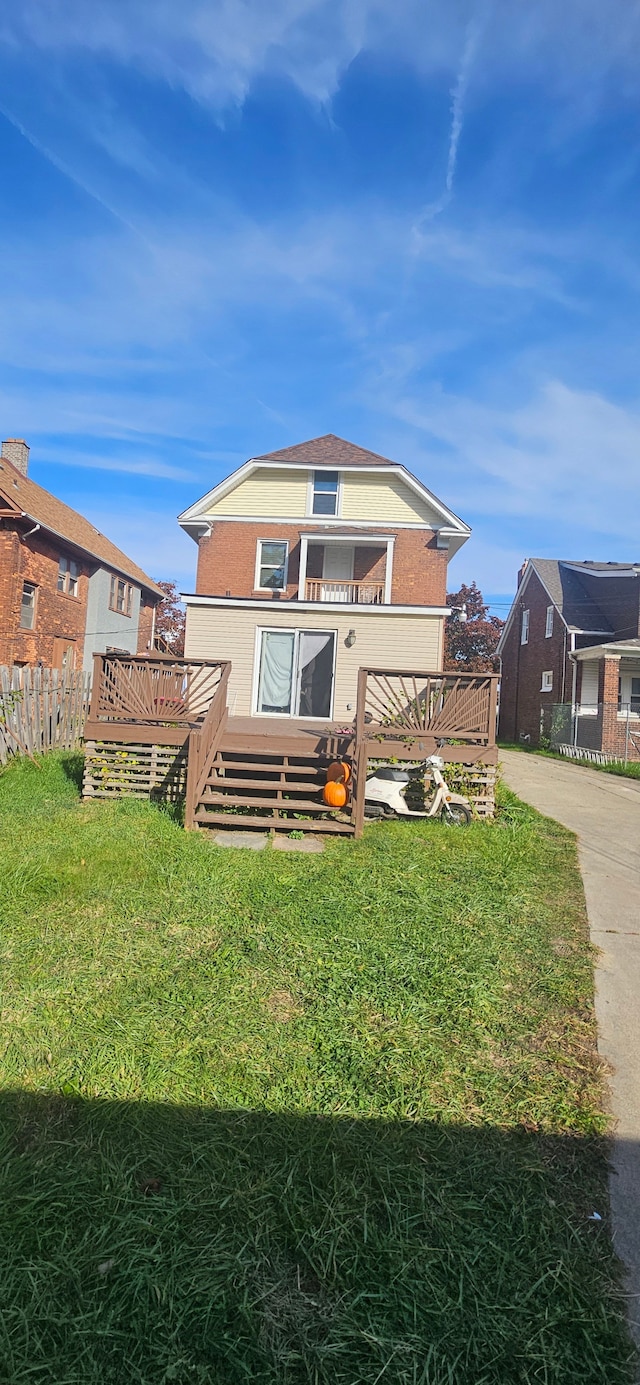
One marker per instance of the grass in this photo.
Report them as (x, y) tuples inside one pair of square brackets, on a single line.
[(295, 1119), (629, 769)]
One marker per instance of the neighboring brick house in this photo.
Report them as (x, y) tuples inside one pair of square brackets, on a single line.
[(66, 591), (572, 643), (313, 561)]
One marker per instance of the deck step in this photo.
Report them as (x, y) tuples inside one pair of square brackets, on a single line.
[(236, 822), (287, 805), (228, 781)]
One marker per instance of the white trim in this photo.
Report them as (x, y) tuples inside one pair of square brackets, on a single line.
[(615, 649), (193, 599), (296, 631), (310, 514), (259, 564), (546, 680), (388, 573), (205, 522), (382, 539)]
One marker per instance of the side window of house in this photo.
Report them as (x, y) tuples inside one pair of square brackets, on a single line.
[(547, 681), (68, 575), (120, 596), (28, 606), (325, 493), (272, 565), (548, 629), (524, 629)]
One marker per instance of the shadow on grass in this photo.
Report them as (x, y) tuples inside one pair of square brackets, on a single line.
[(72, 763), (149, 1243)]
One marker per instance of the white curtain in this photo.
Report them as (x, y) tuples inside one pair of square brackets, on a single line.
[(276, 671)]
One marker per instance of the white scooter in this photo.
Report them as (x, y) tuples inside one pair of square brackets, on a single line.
[(385, 790)]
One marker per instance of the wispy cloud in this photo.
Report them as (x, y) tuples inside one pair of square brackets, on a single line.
[(458, 97)]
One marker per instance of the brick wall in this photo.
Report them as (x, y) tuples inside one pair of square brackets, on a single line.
[(521, 698), (227, 561), (56, 614)]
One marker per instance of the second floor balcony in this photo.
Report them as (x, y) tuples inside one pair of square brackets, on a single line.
[(353, 569)]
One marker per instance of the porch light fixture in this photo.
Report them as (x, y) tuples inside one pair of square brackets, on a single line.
[(350, 639)]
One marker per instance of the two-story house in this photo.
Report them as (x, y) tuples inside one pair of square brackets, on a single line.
[(66, 591), (313, 561), (570, 656)]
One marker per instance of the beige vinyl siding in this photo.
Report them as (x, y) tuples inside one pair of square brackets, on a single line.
[(384, 500), (267, 493), (391, 641)]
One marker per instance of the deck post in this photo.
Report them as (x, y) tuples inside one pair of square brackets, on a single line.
[(96, 687)]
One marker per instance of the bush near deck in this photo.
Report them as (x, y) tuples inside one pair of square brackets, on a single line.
[(329, 1118)]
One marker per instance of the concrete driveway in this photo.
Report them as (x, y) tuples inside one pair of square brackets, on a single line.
[(604, 811)]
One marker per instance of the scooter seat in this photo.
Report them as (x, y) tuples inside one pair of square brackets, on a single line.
[(397, 776)]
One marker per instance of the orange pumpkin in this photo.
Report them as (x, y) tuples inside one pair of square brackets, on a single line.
[(339, 770), (334, 793)]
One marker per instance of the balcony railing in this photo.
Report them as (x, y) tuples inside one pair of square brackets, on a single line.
[(353, 593)]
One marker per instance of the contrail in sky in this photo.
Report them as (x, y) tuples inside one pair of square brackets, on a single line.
[(458, 97)]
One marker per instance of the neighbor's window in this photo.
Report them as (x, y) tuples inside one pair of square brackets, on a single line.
[(68, 574), (547, 681), (325, 493), (120, 597), (524, 631), (28, 606), (629, 695), (548, 629), (271, 573)]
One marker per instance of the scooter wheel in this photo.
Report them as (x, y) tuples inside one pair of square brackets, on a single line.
[(456, 815)]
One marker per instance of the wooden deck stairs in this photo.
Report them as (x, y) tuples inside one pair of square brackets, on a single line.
[(278, 788)]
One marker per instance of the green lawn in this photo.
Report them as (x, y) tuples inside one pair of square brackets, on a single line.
[(277, 1118)]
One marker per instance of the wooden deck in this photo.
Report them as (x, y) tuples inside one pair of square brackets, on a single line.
[(261, 771)]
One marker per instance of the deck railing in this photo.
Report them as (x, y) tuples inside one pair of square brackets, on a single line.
[(154, 689), (204, 743), (397, 703), (354, 593)]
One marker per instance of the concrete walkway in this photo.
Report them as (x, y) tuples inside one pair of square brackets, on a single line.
[(604, 811)]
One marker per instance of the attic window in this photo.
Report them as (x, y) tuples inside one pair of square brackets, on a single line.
[(548, 629), (325, 493)]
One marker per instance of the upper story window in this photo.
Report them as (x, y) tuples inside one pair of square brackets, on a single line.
[(28, 606), (325, 493), (120, 596), (524, 628), (271, 565), (547, 681), (68, 575), (548, 629)]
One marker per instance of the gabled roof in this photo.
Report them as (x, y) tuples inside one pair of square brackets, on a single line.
[(573, 589), (27, 499), (329, 450)]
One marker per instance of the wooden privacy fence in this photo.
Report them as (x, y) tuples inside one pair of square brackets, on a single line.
[(41, 709)]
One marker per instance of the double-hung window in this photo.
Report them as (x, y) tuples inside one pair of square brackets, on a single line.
[(548, 629), (524, 628), (28, 606), (68, 574), (325, 493), (271, 566), (120, 596)]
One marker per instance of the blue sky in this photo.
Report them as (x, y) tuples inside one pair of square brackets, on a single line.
[(229, 226)]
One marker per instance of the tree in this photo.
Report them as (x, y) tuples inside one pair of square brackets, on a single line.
[(470, 646), (170, 618)]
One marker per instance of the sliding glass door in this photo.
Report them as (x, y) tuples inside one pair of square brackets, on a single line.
[(295, 676)]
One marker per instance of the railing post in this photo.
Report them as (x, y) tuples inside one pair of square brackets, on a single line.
[(493, 706), (96, 686), (193, 772)]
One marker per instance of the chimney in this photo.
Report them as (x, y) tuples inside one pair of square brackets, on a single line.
[(15, 450), (523, 570)]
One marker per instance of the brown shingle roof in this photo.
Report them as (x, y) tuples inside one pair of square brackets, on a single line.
[(328, 450), (43, 508)]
